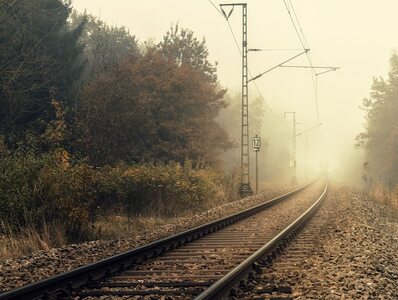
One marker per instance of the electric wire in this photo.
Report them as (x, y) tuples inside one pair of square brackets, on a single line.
[(304, 44), (258, 50), (250, 74), (219, 11), (298, 23), (303, 41), (302, 38), (240, 52), (234, 36), (294, 19), (278, 66), (294, 25), (266, 104), (314, 74)]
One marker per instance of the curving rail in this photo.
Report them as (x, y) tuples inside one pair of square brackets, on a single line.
[(222, 287)]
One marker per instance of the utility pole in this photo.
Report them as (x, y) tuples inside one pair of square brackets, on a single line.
[(294, 178), (244, 189)]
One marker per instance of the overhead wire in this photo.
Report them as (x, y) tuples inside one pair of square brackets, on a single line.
[(294, 24), (240, 52), (234, 36), (315, 74), (219, 11), (273, 49), (303, 41), (298, 23)]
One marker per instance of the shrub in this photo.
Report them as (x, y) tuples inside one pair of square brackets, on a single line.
[(169, 189), (47, 189), (35, 189)]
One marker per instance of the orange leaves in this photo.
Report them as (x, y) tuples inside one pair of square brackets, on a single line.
[(56, 129), (150, 108)]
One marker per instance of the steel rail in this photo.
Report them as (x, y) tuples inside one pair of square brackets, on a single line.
[(68, 281), (223, 286)]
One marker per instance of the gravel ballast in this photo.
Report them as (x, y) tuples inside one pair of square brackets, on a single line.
[(359, 256), (355, 255)]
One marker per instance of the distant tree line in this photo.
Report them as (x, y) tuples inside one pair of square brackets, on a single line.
[(380, 138)]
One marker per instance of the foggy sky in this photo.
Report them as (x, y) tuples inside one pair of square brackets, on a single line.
[(357, 36)]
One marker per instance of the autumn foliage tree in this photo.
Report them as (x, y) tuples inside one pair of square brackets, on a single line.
[(158, 107), (78, 96), (181, 46)]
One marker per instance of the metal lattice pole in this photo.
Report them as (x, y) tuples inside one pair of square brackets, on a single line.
[(244, 189)]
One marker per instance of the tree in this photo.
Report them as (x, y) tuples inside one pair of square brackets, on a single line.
[(104, 46), (380, 136), (151, 108), (181, 46), (38, 53)]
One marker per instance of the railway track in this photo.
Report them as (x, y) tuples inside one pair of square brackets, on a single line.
[(206, 262), (281, 276)]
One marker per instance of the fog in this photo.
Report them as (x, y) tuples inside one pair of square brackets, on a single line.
[(356, 36)]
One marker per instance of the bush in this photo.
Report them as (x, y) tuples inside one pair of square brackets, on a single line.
[(35, 189), (47, 189), (169, 189)]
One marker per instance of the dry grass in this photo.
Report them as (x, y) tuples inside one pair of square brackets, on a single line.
[(28, 240), (117, 227), (382, 194)]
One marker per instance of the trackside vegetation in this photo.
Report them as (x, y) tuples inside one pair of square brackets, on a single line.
[(379, 139), (95, 124), (48, 189)]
